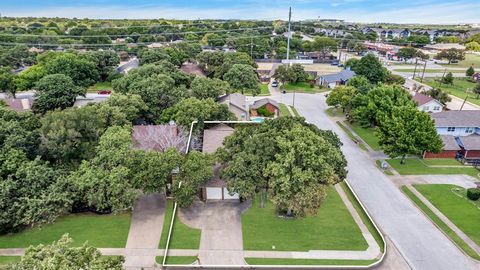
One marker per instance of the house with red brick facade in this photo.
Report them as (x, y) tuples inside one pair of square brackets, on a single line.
[(265, 107)]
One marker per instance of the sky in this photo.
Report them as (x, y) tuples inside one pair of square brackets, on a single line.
[(395, 11)]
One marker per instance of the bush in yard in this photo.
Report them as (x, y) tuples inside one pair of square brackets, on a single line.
[(470, 71), (473, 193), (264, 112), (448, 79)]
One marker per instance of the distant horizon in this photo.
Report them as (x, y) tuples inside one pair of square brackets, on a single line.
[(431, 12)]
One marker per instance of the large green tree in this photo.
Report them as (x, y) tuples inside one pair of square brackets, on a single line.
[(408, 131), (342, 97), (61, 255), (203, 88), (370, 67), (82, 71), (451, 54), (243, 78), (56, 91), (269, 158)]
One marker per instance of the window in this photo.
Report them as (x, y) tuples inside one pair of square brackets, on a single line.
[(450, 129), (426, 108), (436, 108), (469, 130)]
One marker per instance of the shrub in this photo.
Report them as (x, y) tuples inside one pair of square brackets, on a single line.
[(264, 112), (473, 193), (470, 71)]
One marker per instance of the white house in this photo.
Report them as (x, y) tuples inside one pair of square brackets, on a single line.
[(332, 80), (427, 104)]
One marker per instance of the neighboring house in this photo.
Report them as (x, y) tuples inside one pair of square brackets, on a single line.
[(35, 50), (476, 77), (190, 68), (155, 45), (19, 104), (237, 104), (269, 104), (427, 104), (464, 128), (215, 188), (333, 80), (444, 46)]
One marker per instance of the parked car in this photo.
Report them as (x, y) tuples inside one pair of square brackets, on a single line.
[(274, 84), (104, 92)]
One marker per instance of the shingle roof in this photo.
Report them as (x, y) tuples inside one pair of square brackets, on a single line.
[(471, 142), (468, 118), (213, 137), (19, 104), (261, 102), (235, 99), (190, 68), (449, 142), (343, 75), (421, 99)]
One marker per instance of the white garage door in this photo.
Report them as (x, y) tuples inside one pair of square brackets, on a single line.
[(227, 196), (214, 193)]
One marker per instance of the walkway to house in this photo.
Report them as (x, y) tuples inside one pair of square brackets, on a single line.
[(445, 220)]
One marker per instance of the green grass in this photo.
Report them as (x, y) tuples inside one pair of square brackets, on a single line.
[(295, 112), (182, 237), (185, 260), (470, 59), (442, 162), (99, 230), (414, 166), (332, 113), (302, 87), (440, 224), (274, 261), (420, 70), (284, 110), (100, 86), (367, 135), (459, 210), (4, 260), (352, 137), (371, 228), (458, 89), (333, 228), (263, 90), (379, 165)]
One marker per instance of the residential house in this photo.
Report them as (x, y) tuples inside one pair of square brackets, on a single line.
[(190, 68), (268, 104), (19, 104), (335, 79), (464, 128), (159, 137), (215, 188), (237, 104), (427, 104)]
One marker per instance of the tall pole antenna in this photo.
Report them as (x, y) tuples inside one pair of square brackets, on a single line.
[(289, 33)]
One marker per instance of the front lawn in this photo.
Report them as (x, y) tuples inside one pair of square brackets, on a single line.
[(263, 90), (458, 89), (183, 260), (440, 224), (182, 237), (352, 137), (284, 110), (335, 112), (452, 201), (470, 59), (100, 86), (367, 135), (5, 260), (442, 162), (274, 261), (106, 231), (333, 228), (414, 166), (302, 87)]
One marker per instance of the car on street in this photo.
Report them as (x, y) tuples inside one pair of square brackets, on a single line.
[(274, 84)]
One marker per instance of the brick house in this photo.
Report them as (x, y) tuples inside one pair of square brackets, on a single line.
[(269, 104)]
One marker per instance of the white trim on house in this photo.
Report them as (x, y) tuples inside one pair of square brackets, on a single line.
[(433, 106)]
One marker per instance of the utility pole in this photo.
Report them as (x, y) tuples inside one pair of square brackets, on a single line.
[(289, 33), (423, 73), (415, 70), (465, 100), (251, 47)]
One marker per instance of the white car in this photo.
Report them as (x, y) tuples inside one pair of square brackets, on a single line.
[(274, 84)]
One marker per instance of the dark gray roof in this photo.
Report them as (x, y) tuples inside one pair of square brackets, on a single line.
[(457, 118), (235, 99), (449, 142), (261, 102), (343, 75), (471, 142)]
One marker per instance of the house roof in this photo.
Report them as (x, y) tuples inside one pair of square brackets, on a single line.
[(468, 118), (191, 68), (261, 102), (471, 142), (235, 99), (449, 143), (422, 99), (19, 104), (213, 137), (343, 75), (159, 137)]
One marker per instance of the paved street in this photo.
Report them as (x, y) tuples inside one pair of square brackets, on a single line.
[(417, 239)]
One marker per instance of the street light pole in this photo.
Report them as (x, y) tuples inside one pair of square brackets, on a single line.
[(289, 33)]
